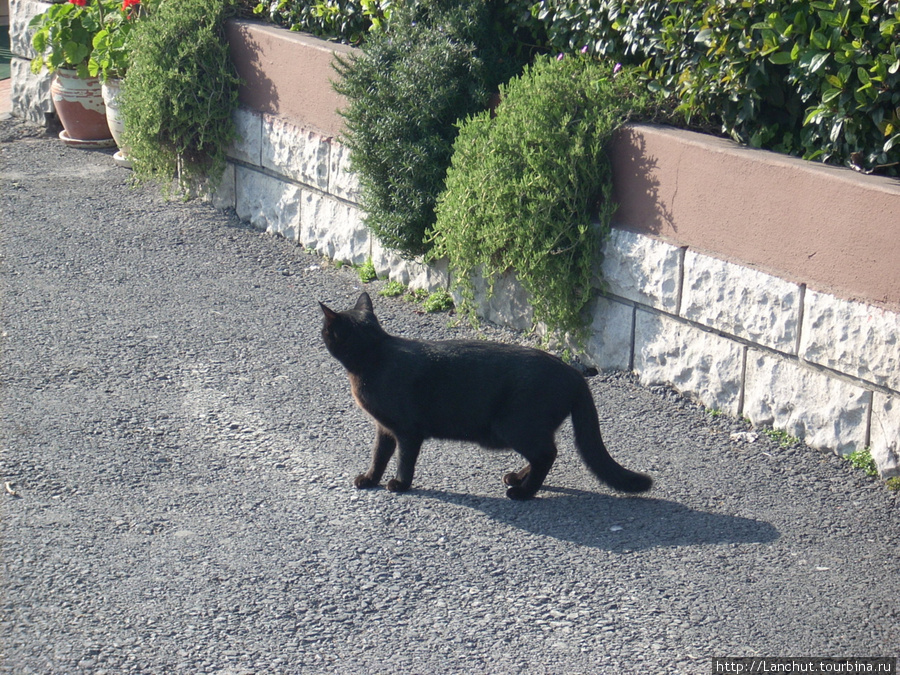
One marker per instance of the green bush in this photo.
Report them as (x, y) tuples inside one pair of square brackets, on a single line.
[(818, 79), (180, 93), (345, 20), (367, 271), (406, 91), (529, 189)]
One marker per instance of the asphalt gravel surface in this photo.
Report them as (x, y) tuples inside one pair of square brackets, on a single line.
[(178, 451)]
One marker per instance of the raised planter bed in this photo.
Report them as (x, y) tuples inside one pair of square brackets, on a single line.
[(761, 285)]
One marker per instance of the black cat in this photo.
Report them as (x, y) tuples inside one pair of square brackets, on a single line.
[(500, 396)]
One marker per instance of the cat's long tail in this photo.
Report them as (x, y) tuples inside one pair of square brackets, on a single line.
[(593, 452)]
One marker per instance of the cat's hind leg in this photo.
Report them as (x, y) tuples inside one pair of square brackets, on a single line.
[(514, 478), (540, 453), (385, 443)]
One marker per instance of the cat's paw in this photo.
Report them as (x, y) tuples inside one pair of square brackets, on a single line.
[(362, 481), (519, 494), (395, 485), (516, 478), (512, 479)]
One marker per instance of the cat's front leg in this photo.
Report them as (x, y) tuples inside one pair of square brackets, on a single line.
[(385, 443), (406, 464)]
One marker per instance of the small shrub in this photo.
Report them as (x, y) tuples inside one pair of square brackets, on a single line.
[(416, 295), (392, 289), (406, 91), (530, 189), (180, 93), (782, 437), (893, 484)]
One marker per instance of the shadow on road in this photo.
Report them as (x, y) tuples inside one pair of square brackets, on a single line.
[(613, 523)]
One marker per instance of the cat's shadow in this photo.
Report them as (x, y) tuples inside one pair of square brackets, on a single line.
[(611, 522)]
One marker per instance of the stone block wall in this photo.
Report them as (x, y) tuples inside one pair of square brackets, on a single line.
[(30, 93), (751, 344), (734, 338), (295, 182)]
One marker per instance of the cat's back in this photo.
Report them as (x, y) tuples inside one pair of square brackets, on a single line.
[(476, 360)]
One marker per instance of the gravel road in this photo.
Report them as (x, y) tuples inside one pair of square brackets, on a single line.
[(178, 450)]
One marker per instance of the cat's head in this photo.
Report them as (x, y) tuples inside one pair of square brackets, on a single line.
[(352, 335)]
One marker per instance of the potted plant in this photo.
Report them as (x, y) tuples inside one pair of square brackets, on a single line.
[(63, 40), (110, 59)]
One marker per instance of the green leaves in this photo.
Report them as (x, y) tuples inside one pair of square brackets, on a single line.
[(811, 78), (64, 34), (180, 93), (529, 190), (346, 20), (406, 92)]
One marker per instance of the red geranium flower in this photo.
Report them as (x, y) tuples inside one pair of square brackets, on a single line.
[(80, 3), (129, 3)]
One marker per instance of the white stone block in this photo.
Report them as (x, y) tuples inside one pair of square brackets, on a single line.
[(333, 228), (507, 304), (267, 203), (642, 269), (853, 338), (342, 182), (698, 363), (20, 14), (223, 196), (298, 154), (29, 94), (413, 273), (428, 277), (885, 434), (248, 146), (741, 301), (608, 346), (826, 412)]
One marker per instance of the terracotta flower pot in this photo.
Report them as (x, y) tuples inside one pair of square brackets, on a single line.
[(79, 106)]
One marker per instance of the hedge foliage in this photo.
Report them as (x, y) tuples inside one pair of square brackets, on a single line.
[(818, 79), (406, 90), (345, 20)]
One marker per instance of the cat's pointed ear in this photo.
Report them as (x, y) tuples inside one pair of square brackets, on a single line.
[(364, 303), (330, 314)]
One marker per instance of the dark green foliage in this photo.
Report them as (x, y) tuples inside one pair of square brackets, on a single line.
[(815, 78), (529, 190), (818, 79), (180, 93), (406, 90), (345, 20)]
